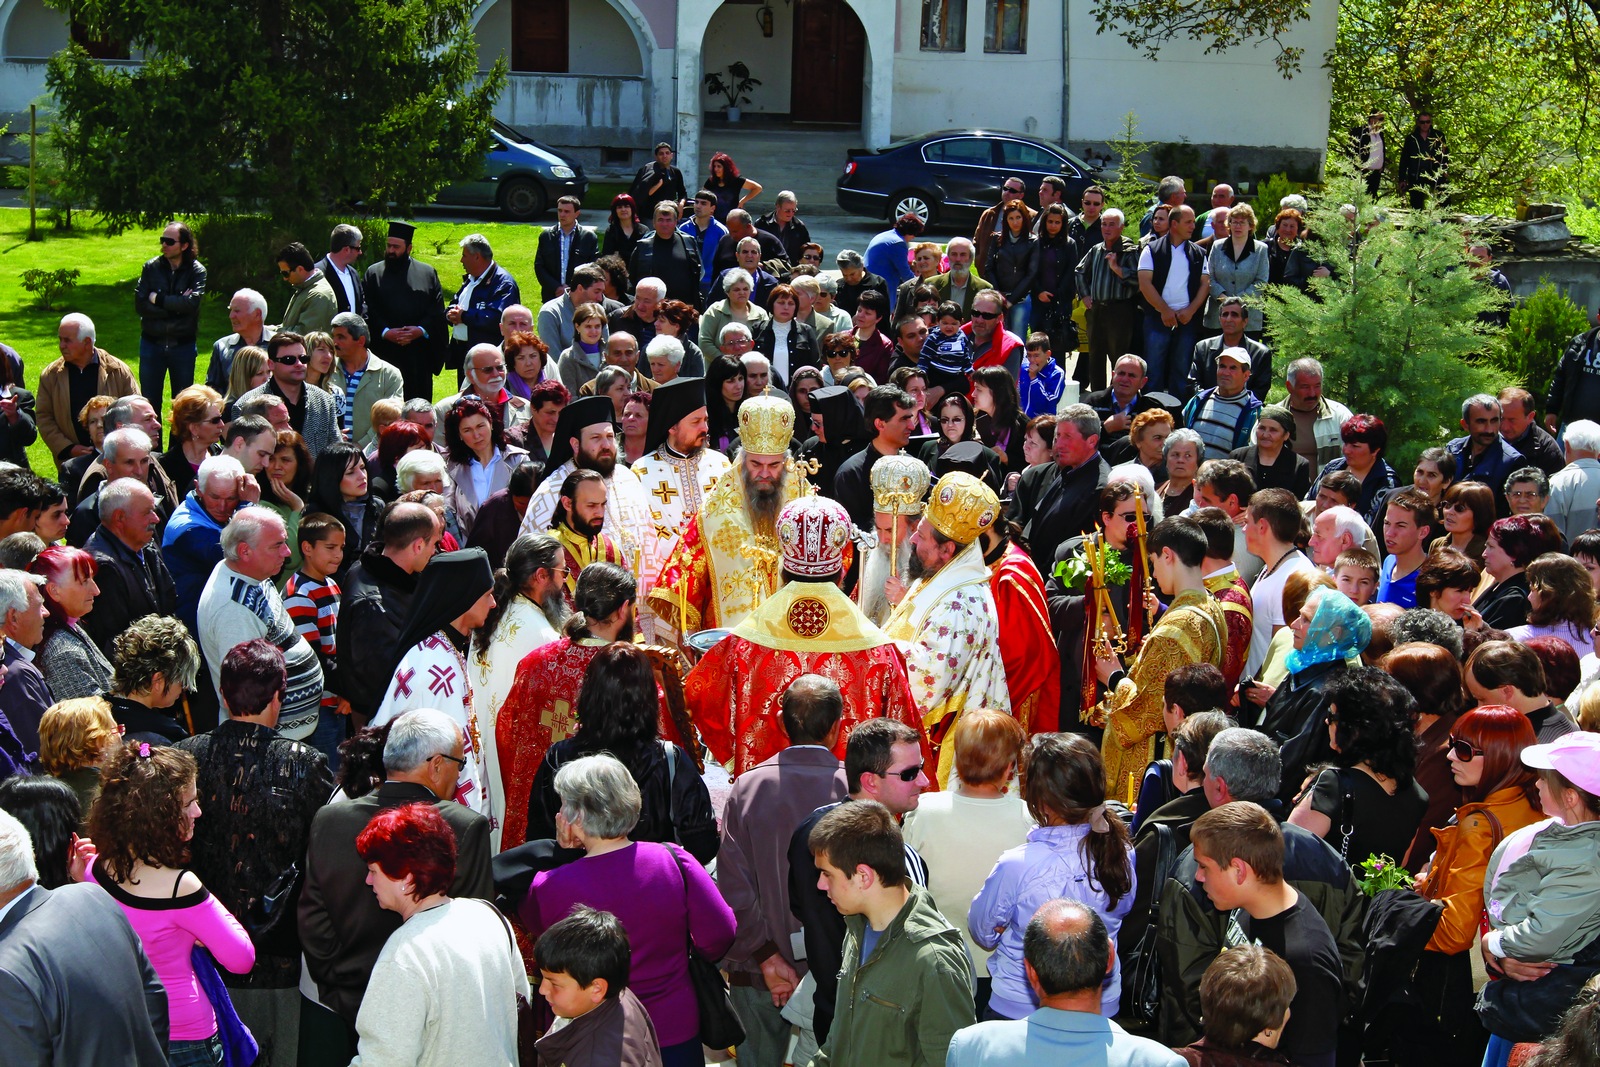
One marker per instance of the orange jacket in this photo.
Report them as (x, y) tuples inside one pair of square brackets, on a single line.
[(1462, 858)]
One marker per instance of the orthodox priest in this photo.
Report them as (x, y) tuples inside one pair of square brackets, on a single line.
[(454, 596), (405, 313), (677, 471), (727, 561), (899, 489), (807, 627), (580, 527), (946, 623), (1193, 630), (585, 439)]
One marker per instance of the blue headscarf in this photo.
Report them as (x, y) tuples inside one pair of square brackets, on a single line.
[(1338, 631)]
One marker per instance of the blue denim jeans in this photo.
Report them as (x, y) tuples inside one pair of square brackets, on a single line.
[(327, 737), (1169, 352), (204, 1053), (1017, 316), (156, 361)]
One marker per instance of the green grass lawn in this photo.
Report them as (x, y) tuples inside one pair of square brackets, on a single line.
[(110, 270)]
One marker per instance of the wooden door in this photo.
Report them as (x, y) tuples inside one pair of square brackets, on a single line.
[(829, 66), (539, 36)]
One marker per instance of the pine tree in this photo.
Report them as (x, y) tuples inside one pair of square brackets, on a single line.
[(1396, 325)]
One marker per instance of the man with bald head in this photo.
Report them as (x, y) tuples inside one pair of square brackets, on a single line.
[(485, 370), (1068, 956)]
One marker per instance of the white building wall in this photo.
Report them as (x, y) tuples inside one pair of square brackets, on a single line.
[(34, 31), (734, 36), (599, 41)]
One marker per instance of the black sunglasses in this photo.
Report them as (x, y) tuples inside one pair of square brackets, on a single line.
[(289, 361), (985, 314), (1462, 749), (909, 774), (169, 240)]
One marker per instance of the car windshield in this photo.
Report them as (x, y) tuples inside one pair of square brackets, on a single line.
[(510, 134)]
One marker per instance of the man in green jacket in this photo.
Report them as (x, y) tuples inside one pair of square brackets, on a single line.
[(359, 379), (312, 306), (907, 983)]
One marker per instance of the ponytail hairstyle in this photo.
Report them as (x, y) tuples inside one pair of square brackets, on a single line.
[(602, 588), (1064, 783)]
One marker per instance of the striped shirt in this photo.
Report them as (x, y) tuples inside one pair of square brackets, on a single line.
[(1217, 421), (1099, 283), (314, 607), (352, 382)]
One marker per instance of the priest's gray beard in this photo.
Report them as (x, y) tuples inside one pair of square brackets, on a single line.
[(555, 608), (875, 574)]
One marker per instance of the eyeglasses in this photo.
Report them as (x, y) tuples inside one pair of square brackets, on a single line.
[(289, 361), (453, 759), (909, 774), (1126, 517), (1524, 494), (283, 274), (217, 421), (1457, 505), (986, 315), (169, 240), (1462, 749)]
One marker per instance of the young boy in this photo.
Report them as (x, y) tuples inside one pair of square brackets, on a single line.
[(583, 968), (947, 355), (1245, 996), (1238, 850), (312, 596), (1356, 573), (1409, 523)]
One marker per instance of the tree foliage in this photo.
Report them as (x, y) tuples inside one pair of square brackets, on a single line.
[(1537, 334), (1217, 24), (254, 105), (1396, 325), (1130, 193)]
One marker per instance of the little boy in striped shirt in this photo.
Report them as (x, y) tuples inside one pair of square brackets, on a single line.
[(312, 597)]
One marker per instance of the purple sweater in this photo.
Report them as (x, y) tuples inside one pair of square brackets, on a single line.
[(642, 887)]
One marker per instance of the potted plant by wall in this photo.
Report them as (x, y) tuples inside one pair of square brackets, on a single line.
[(735, 86)]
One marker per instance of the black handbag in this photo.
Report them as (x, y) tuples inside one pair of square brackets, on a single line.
[(720, 1027), (1141, 979)]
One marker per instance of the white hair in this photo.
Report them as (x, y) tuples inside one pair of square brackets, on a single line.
[(655, 285), (245, 529), (1185, 436), (1138, 474), (1303, 365), (1582, 435), (478, 244), (750, 359), (223, 466), (118, 495), (414, 465), (113, 443), (735, 275), (747, 241), (1114, 213), (14, 590), (664, 347), (961, 242), (786, 197), (257, 302), (733, 329), (81, 322), (418, 736), (1347, 522), (17, 866), (1296, 201), (475, 351), (599, 796)]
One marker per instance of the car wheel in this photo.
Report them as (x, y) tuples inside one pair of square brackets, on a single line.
[(521, 199), (911, 202)]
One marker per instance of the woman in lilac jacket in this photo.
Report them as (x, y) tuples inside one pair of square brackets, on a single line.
[(1079, 851), (660, 893)]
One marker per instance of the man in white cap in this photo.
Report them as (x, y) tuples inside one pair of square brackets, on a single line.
[(946, 622), (727, 560), (1225, 415), (809, 626)]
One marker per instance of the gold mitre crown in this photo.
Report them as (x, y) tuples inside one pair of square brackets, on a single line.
[(899, 485), (962, 507), (766, 425)]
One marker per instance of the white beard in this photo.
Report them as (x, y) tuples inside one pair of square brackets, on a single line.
[(875, 574)]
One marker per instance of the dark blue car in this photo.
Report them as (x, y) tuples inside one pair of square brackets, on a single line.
[(952, 176)]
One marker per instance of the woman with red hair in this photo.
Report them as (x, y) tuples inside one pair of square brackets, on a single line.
[(1514, 542), (394, 441), (71, 663), (444, 990), (731, 188), (1484, 749), (1363, 439)]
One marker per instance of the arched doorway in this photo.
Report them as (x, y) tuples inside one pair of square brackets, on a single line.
[(829, 71)]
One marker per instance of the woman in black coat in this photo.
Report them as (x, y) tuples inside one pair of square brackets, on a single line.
[(800, 348), (340, 486)]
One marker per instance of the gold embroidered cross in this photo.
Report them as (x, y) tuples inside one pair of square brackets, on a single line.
[(560, 720), (665, 493)]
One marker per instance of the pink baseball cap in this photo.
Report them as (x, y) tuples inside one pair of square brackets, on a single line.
[(1575, 755)]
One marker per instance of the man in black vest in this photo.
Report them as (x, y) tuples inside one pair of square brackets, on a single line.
[(1174, 281)]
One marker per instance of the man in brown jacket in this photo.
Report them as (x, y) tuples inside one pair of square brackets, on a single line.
[(66, 385)]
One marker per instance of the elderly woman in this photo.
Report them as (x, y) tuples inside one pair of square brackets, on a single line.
[(1239, 267), (805, 381), (480, 460), (340, 487), (1038, 443), (444, 989), (1328, 631), (71, 663), (1466, 513), (674, 318), (1527, 490), (141, 826), (1447, 582), (1434, 474), (527, 362), (783, 339), (76, 738), (1182, 453), (1273, 462), (927, 259), (1512, 544), (1561, 603), (1287, 262), (1363, 437), (156, 661), (614, 383), (635, 425), (1146, 443), (660, 893), (197, 426), (735, 307), (1297, 588), (962, 832), (1368, 803)]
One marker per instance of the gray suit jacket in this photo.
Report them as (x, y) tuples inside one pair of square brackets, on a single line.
[(75, 986), (324, 425)]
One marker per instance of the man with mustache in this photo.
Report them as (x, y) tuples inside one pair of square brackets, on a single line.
[(727, 561), (405, 312), (677, 470), (585, 439), (580, 523)]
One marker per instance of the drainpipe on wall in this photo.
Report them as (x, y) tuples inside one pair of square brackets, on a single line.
[(1066, 70)]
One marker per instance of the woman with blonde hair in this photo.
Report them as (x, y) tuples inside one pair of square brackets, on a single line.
[(76, 738), (962, 832), (197, 426), (248, 370)]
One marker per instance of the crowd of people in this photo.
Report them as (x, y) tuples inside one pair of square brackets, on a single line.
[(745, 656)]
